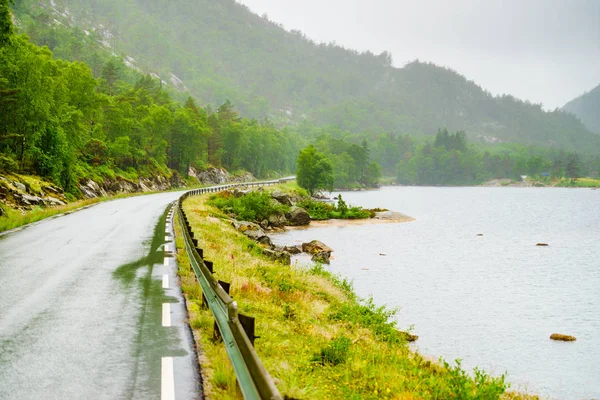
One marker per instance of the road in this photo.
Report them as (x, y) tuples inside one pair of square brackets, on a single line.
[(83, 305)]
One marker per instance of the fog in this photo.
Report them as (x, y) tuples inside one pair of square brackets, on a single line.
[(544, 51)]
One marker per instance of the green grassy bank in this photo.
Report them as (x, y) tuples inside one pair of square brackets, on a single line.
[(317, 338)]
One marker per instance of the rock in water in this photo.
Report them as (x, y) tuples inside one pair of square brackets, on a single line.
[(321, 257), (298, 217), (319, 250), (564, 338), (315, 247)]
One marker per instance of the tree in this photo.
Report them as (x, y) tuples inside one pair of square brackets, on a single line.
[(6, 27), (314, 171)]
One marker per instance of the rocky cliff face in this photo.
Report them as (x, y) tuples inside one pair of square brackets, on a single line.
[(218, 176), (91, 189), (23, 193)]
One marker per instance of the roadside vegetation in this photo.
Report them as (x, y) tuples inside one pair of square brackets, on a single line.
[(259, 205), (317, 338), (14, 218), (579, 182)]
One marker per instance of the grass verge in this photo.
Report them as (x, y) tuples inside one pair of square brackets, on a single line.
[(317, 338), (15, 218), (579, 182)]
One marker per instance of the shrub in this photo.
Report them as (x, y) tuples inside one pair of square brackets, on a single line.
[(253, 206), (336, 352), (317, 210), (320, 211), (7, 164)]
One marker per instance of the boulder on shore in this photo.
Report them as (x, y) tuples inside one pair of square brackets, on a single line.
[(298, 217), (292, 249), (409, 337), (564, 338), (244, 226), (252, 231), (277, 220), (282, 198), (281, 256)]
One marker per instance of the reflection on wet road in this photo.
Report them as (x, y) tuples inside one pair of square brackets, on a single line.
[(81, 300)]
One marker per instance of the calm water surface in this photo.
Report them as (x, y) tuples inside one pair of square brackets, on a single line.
[(490, 300)]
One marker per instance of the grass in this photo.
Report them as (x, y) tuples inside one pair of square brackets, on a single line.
[(317, 339), (15, 219), (579, 182)]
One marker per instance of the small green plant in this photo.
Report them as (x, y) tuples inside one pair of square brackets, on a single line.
[(336, 352), (342, 207)]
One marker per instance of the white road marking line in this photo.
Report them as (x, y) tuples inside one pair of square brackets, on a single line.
[(166, 262), (167, 248), (167, 391), (167, 239), (165, 281), (166, 315)]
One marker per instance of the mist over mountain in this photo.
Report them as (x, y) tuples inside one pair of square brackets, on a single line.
[(587, 108), (219, 51)]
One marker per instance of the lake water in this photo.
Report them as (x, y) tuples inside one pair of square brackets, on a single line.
[(491, 300)]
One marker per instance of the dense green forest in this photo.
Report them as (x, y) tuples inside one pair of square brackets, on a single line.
[(587, 108), (221, 51), (59, 121)]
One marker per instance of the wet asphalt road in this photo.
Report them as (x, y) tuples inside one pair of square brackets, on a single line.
[(81, 306)]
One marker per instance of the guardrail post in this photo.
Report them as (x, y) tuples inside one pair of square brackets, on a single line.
[(209, 266), (249, 324)]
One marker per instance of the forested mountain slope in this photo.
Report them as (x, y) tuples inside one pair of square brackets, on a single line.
[(587, 108), (221, 51)]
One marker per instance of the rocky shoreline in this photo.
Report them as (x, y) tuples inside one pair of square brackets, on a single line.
[(298, 218)]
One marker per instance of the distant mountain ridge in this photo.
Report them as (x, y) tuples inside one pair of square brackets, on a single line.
[(587, 108), (219, 50)]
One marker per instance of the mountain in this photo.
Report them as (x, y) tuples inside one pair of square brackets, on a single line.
[(587, 108), (219, 50)]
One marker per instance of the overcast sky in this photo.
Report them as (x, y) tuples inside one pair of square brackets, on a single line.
[(544, 51)]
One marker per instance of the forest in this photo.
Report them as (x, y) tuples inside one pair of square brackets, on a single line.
[(70, 109), (221, 51)]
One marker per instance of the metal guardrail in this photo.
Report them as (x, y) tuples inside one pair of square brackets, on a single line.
[(253, 379)]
